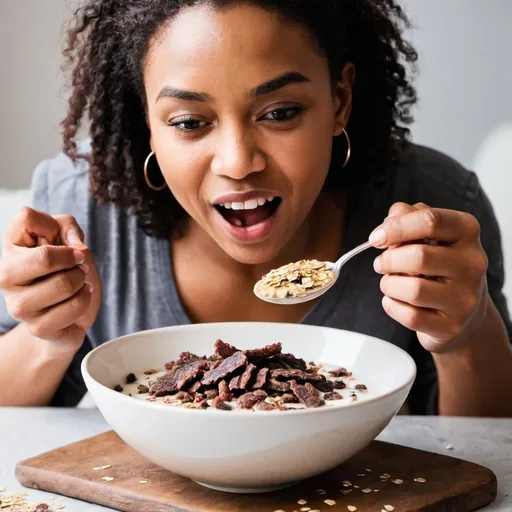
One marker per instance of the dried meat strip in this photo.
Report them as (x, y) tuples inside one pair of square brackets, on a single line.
[(224, 350), (307, 394), (176, 379), (228, 366)]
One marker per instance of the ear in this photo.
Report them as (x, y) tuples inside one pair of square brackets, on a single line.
[(343, 98)]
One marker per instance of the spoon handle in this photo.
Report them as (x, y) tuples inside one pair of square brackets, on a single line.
[(351, 254)]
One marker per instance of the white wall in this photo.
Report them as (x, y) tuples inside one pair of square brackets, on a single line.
[(31, 97), (465, 82)]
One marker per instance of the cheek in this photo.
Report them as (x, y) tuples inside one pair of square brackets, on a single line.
[(182, 168), (305, 158)]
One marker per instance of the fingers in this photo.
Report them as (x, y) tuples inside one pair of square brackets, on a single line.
[(430, 322), (30, 301), (417, 291), (58, 322), (70, 232), (428, 260), (398, 209), (20, 266), (28, 226), (426, 223)]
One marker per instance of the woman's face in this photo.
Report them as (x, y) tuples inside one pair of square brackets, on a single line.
[(242, 118)]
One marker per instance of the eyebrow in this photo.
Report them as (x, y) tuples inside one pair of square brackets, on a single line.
[(265, 88)]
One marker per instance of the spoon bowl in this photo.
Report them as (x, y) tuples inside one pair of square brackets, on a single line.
[(334, 267)]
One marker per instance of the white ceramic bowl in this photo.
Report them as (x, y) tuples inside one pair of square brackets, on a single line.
[(245, 451)]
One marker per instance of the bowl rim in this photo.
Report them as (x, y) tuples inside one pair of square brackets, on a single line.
[(242, 413)]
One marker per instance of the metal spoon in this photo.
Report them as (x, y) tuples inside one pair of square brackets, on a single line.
[(317, 292)]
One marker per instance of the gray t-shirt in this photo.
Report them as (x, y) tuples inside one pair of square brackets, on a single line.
[(139, 290)]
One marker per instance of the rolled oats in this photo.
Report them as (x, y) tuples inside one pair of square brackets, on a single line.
[(295, 279)]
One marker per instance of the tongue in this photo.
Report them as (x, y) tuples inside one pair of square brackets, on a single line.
[(246, 218)]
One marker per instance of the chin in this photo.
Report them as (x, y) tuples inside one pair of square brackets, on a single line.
[(251, 254)]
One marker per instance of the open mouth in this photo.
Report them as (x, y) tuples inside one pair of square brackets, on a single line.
[(249, 213)]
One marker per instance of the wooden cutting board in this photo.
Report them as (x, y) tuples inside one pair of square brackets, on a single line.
[(451, 485)]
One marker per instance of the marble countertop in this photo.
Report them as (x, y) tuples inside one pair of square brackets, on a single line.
[(26, 432)]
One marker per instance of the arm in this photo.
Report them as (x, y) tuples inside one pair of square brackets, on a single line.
[(30, 369), (476, 378), (461, 316)]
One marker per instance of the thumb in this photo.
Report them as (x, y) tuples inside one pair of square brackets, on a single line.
[(71, 233)]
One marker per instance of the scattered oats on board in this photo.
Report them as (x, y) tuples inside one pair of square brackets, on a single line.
[(108, 478), (368, 470), (367, 490), (449, 447), (397, 481), (143, 481), (420, 480), (385, 476), (330, 502), (305, 509), (17, 503), (389, 508), (295, 279), (351, 508), (302, 502), (320, 491)]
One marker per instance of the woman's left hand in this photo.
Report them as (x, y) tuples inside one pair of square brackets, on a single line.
[(434, 273)]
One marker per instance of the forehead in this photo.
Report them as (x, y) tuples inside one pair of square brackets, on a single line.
[(242, 44)]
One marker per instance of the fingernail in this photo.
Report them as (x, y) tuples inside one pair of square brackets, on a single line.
[(377, 265), (74, 237), (90, 287), (378, 237), (85, 268), (79, 257)]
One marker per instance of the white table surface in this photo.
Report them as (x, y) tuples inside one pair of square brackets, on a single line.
[(25, 433)]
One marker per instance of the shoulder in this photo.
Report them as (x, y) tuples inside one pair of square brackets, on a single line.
[(436, 179), (60, 185)]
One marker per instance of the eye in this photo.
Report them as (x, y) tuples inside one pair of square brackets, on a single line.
[(280, 115), (188, 124)]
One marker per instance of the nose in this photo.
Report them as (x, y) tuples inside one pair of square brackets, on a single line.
[(237, 154)]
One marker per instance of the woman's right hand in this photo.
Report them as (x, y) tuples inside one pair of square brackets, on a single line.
[(54, 288)]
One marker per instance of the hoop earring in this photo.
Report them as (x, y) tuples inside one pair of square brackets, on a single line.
[(146, 177), (349, 148)]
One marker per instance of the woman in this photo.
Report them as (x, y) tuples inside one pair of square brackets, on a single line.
[(229, 138)]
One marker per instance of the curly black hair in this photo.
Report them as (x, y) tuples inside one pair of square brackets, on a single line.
[(107, 43)]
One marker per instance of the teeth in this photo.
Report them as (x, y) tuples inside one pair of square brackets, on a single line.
[(247, 205), (252, 204)]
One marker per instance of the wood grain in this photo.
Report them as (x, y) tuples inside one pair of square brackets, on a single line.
[(452, 485)]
